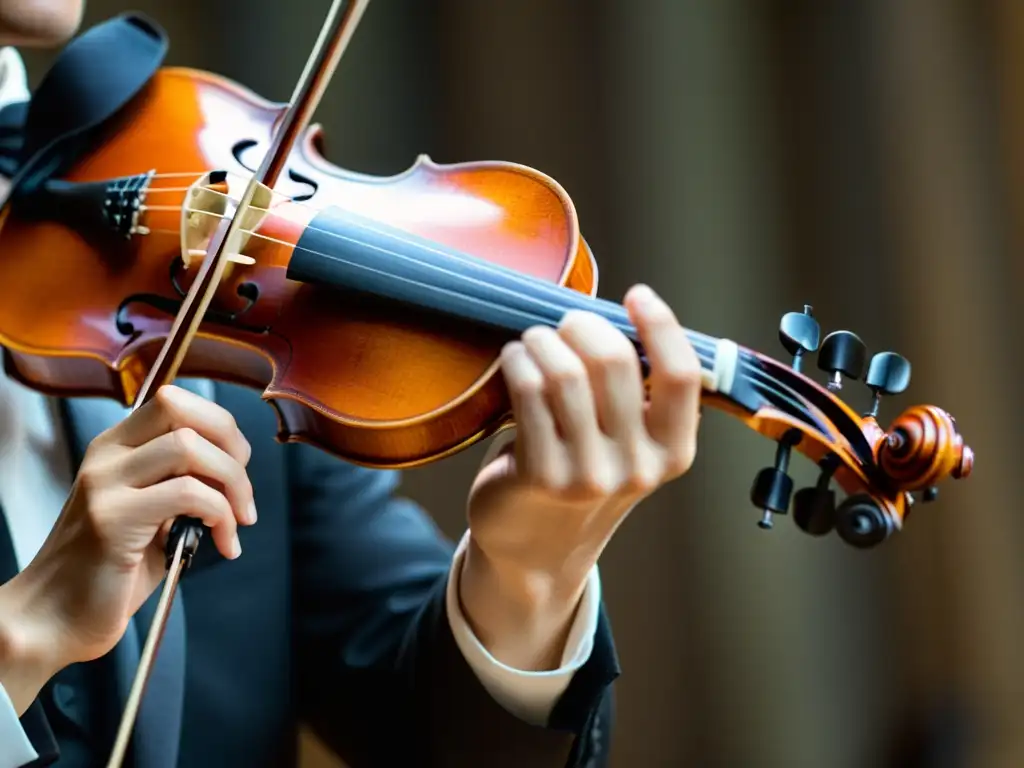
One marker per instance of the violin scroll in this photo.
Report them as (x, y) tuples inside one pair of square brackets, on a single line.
[(922, 448), (878, 469)]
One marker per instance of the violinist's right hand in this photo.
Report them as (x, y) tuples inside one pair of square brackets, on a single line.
[(179, 454)]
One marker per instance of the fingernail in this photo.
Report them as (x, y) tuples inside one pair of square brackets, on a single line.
[(251, 513), (236, 548)]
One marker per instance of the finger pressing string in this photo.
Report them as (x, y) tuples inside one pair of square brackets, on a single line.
[(537, 433), (675, 388)]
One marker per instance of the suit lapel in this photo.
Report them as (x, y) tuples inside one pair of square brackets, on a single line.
[(158, 727)]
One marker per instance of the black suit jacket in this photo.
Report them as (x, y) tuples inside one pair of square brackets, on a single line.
[(334, 615)]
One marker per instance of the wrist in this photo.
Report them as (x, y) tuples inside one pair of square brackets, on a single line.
[(29, 654), (525, 587), (521, 614)]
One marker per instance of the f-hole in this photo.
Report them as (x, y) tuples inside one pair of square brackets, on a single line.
[(242, 147)]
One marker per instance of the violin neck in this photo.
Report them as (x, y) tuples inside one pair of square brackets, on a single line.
[(342, 251)]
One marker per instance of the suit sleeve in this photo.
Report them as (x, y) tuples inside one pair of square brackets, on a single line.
[(380, 676)]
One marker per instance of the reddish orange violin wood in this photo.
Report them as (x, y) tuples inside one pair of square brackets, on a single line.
[(411, 386)]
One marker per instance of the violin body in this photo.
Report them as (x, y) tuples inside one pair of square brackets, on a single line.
[(381, 385)]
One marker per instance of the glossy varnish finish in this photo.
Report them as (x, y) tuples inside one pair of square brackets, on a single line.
[(398, 387)]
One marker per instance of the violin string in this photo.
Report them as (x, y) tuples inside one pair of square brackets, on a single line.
[(703, 344)]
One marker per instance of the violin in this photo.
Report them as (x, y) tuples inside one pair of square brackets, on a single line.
[(204, 234)]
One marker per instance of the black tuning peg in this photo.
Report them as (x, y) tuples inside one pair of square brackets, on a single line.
[(842, 353), (888, 374), (772, 487), (814, 509), (799, 333), (861, 523)]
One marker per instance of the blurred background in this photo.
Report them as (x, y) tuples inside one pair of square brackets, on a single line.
[(745, 157)]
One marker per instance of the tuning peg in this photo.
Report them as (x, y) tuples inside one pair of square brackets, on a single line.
[(772, 487), (799, 333), (888, 374), (814, 509), (861, 523), (842, 352)]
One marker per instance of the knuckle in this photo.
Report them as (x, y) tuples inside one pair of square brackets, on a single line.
[(596, 483), (682, 377), (579, 323), (642, 482), (96, 476), (570, 374), (680, 460), (615, 359), (578, 320), (528, 387), (552, 480), (536, 335), (191, 492), (165, 398), (90, 478), (186, 441), (548, 477), (227, 421), (240, 482), (512, 351)]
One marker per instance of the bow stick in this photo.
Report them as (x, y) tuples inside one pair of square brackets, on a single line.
[(186, 532)]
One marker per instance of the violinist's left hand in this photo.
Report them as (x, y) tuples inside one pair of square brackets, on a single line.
[(587, 450)]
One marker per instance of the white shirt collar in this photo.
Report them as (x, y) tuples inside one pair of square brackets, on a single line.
[(13, 78)]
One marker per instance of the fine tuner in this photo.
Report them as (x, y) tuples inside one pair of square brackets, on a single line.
[(859, 520)]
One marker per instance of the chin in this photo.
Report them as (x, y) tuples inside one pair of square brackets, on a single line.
[(41, 23)]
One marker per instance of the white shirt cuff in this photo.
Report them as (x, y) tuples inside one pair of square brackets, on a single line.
[(530, 696), (15, 748)]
